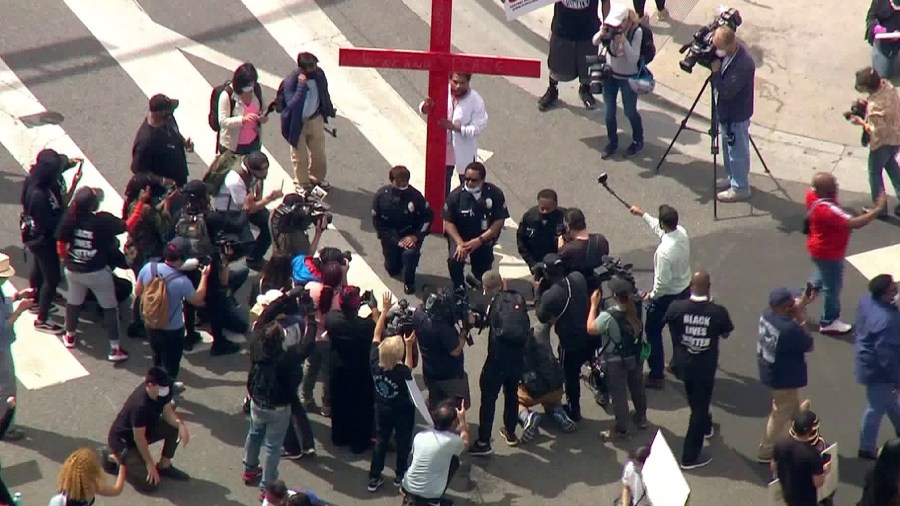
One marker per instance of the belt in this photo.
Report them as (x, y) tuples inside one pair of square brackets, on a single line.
[(269, 407)]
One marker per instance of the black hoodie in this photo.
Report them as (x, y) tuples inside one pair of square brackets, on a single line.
[(42, 197)]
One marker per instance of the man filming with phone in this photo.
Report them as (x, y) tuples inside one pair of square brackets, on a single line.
[(435, 455)]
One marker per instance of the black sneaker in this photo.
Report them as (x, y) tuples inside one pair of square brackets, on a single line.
[(48, 328), (224, 347), (409, 289), (608, 152), (108, 463), (192, 339), (584, 92), (173, 473), (398, 481), (548, 98), (573, 412), (375, 484), (701, 461), (633, 149), (509, 437), (481, 449), (710, 433)]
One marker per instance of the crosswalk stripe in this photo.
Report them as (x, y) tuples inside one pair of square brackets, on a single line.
[(878, 261)]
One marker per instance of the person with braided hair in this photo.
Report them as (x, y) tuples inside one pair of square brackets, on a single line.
[(81, 480)]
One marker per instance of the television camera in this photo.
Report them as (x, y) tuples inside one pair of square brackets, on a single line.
[(400, 319), (700, 49), (301, 210), (453, 306)]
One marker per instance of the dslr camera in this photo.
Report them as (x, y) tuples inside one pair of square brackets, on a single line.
[(400, 319), (700, 49), (299, 211), (859, 108), (598, 69)]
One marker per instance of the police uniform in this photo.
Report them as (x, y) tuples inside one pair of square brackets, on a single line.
[(472, 218), (398, 213), (538, 234)]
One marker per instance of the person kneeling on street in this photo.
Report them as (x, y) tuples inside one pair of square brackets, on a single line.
[(435, 456), (542, 383), (148, 416)]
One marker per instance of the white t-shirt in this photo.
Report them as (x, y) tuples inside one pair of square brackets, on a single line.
[(233, 192), (431, 455), (631, 478)]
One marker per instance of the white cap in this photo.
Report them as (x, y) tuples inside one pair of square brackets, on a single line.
[(617, 14)]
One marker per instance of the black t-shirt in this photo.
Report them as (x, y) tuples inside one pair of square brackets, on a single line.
[(473, 216), (139, 411), (351, 339), (797, 463), (584, 255), (575, 19), (567, 301), (91, 240), (436, 340), (697, 326), (160, 151), (390, 386)]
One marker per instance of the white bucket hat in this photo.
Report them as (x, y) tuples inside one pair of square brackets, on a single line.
[(6, 268)]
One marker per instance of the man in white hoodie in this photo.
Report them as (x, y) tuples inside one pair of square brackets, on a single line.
[(466, 119)]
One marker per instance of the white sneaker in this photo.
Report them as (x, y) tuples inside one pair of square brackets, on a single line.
[(723, 183), (836, 327), (732, 195)]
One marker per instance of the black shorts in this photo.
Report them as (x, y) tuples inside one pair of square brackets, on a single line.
[(567, 58)]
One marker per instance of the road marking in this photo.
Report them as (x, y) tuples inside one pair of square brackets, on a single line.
[(877, 261), (124, 29)]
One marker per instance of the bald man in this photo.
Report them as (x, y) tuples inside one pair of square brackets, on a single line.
[(696, 325), (732, 79), (828, 233)]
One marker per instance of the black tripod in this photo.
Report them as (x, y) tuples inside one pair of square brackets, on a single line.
[(713, 139)]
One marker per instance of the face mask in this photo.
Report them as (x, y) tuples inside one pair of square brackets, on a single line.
[(402, 188), (476, 189), (247, 89), (721, 53), (163, 391)]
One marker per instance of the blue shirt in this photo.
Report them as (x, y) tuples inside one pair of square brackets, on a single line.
[(7, 332), (178, 289), (311, 105), (734, 87), (780, 352), (877, 342)]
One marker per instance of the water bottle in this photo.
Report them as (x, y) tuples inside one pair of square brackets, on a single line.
[(17, 499)]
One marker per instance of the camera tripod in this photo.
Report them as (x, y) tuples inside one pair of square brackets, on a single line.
[(713, 139)]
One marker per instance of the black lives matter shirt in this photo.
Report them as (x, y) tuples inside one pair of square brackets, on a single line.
[(91, 239), (697, 325), (390, 385)]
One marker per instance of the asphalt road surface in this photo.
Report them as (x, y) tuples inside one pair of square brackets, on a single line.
[(96, 63)]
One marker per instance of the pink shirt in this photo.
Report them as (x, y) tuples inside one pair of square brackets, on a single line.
[(249, 131), (315, 292)]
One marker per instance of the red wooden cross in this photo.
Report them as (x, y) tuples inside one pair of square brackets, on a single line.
[(439, 61)]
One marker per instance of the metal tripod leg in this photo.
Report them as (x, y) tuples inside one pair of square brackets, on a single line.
[(683, 126), (759, 155)]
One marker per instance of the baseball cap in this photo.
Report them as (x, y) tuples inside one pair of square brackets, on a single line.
[(782, 295), (620, 287), (177, 248), (158, 376), (616, 16), (162, 103)]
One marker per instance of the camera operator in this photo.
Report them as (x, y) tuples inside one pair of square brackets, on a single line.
[(508, 332), (289, 224), (882, 124), (540, 228), (239, 193), (697, 324), (441, 346), (573, 24), (621, 36), (402, 218), (563, 300), (473, 219), (733, 73), (671, 282), (579, 250)]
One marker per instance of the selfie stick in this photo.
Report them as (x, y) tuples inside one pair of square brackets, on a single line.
[(602, 180)]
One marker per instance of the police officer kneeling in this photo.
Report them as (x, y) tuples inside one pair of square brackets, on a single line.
[(473, 219), (402, 218)]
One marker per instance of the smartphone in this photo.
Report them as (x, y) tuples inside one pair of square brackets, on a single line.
[(460, 402), (810, 289)]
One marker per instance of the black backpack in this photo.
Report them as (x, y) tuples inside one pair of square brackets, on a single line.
[(193, 228), (630, 343), (509, 318), (280, 104), (648, 47), (213, 117)]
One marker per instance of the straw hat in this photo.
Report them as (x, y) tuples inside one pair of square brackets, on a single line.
[(6, 268)]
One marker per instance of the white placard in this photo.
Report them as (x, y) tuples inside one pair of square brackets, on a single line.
[(662, 475), (418, 401), (888, 36), (827, 489), (517, 8)]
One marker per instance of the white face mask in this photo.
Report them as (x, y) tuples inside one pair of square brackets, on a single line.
[(402, 188), (476, 189), (247, 89), (721, 53), (163, 391)]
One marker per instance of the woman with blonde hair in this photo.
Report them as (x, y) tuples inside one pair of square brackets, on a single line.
[(392, 360), (81, 479)]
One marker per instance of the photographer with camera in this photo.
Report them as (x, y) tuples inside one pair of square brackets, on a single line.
[(289, 224), (473, 219), (563, 301), (540, 228), (621, 37), (671, 282), (402, 219), (508, 332), (881, 122), (733, 74), (238, 193), (441, 346), (579, 250)]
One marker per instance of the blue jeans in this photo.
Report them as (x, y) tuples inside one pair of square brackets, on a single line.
[(736, 156), (656, 313), (883, 160), (828, 276), (266, 426), (882, 64), (881, 399), (611, 88)]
